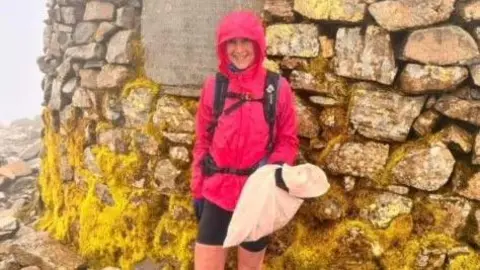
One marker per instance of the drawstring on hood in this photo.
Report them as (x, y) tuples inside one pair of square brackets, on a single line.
[(242, 24)]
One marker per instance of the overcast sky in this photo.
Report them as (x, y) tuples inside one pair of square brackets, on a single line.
[(21, 30)]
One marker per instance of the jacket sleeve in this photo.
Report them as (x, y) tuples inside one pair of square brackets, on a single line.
[(286, 140), (203, 119)]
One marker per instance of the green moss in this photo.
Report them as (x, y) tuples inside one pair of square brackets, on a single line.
[(329, 246), (140, 82), (336, 86), (465, 262), (404, 257), (59, 199), (329, 10), (336, 194), (175, 233), (120, 234)]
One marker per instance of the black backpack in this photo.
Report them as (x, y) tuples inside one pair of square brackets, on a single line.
[(269, 101)]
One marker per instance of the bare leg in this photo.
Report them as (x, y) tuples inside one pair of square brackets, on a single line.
[(209, 257), (248, 260)]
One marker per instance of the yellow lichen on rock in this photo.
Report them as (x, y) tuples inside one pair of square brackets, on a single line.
[(336, 10)]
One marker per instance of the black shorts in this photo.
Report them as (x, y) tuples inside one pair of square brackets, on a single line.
[(213, 226)]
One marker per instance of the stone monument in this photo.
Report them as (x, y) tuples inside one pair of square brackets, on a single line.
[(179, 40)]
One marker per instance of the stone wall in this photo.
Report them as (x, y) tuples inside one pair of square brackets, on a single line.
[(388, 100)]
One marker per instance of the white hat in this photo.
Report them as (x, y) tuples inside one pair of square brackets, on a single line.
[(305, 181)]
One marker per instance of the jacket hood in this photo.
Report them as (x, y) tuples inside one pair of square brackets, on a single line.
[(241, 24)]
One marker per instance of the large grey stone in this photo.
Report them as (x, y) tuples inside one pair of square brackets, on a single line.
[(90, 51), (476, 150), (456, 138), (385, 207), (308, 126), (475, 73), (60, 27), (418, 79), (466, 181), (168, 28), (126, 17), (469, 10), (55, 102), (96, 10), (137, 106), (88, 78), (64, 40), (367, 56), (179, 154), (47, 36), (105, 31), (426, 122), (165, 176), (171, 114), (64, 70), (456, 210), (8, 227), (120, 49), (442, 45), (53, 48), (460, 109), (114, 139), (146, 143), (280, 9), (31, 151), (299, 40), (81, 98), (383, 115), (425, 168), (112, 105), (183, 138), (113, 76), (38, 248), (72, 15), (352, 11), (396, 15), (467, 92), (303, 80), (84, 32), (103, 194), (358, 159), (47, 67)]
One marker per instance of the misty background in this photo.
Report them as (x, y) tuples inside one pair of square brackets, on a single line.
[(21, 31)]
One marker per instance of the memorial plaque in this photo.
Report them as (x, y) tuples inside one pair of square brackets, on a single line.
[(179, 37)]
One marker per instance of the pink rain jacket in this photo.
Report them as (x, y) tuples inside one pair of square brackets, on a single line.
[(240, 138)]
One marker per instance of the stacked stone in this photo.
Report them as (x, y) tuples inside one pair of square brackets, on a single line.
[(388, 101), (96, 97), (87, 48), (389, 90)]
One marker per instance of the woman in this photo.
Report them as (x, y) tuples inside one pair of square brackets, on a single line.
[(237, 144)]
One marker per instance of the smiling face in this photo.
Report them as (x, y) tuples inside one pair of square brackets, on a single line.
[(241, 52)]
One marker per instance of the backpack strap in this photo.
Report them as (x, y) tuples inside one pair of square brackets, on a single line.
[(270, 105), (220, 94)]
